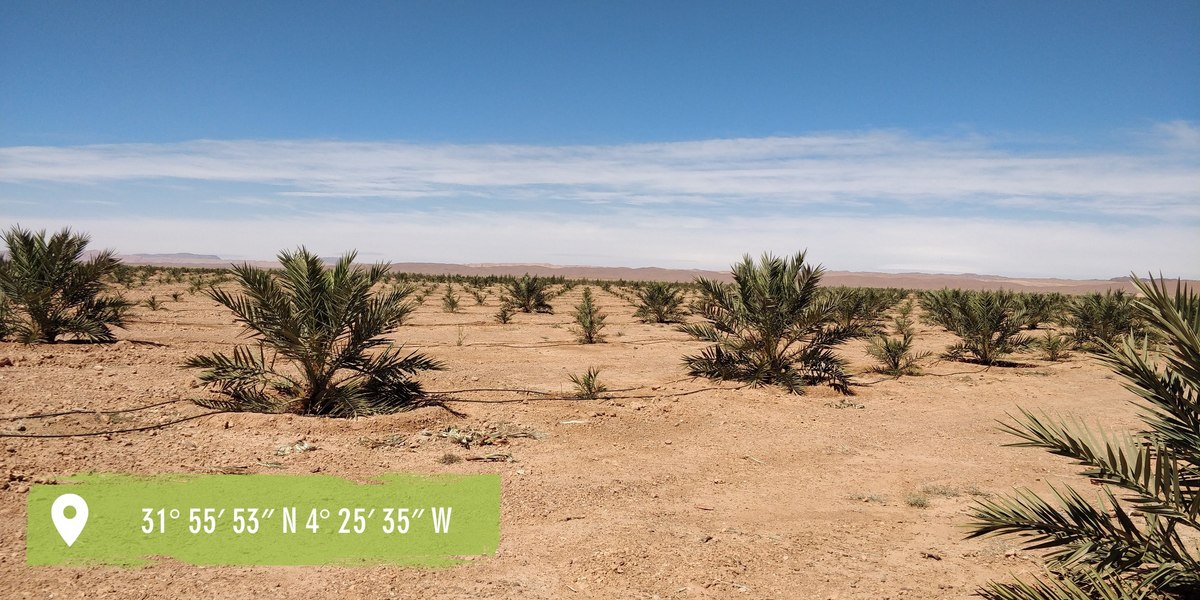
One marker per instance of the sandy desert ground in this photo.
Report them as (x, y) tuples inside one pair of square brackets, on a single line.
[(670, 488)]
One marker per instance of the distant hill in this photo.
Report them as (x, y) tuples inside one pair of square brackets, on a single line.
[(920, 281), (176, 257)]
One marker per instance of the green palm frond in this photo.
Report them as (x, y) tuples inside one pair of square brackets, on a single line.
[(1077, 585), (1104, 549)]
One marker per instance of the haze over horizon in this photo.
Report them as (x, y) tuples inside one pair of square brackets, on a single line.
[(1023, 139)]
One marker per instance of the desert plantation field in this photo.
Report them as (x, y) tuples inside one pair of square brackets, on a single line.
[(666, 486)]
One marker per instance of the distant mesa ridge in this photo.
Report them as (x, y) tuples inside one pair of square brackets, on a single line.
[(920, 281), (169, 257)]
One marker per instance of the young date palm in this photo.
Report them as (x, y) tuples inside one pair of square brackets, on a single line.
[(863, 308), (51, 291), (588, 385), (326, 327), (660, 302), (1040, 308), (770, 326), (1145, 544), (895, 353), (939, 305), (1099, 319), (588, 319), (988, 323), (450, 301), (529, 294)]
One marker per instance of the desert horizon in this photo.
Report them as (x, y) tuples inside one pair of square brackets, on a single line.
[(908, 280)]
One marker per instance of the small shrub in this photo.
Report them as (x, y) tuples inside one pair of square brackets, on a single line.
[(153, 303), (51, 291), (845, 403), (480, 297), (588, 385), (917, 500), (862, 497), (660, 302), (588, 319), (176, 296), (935, 489)]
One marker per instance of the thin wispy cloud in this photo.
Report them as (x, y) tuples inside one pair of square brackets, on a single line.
[(875, 200), (884, 168)]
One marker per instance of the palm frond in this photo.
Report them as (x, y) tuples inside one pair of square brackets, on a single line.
[(1149, 549)]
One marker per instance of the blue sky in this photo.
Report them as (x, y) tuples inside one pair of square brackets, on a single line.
[(1014, 138)]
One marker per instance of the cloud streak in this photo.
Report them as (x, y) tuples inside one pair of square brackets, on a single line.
[(874, 200), (876, 169)]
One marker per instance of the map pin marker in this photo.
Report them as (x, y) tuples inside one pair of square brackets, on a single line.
[(69, 527)]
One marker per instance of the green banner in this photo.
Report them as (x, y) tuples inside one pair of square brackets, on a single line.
[(263, 520)]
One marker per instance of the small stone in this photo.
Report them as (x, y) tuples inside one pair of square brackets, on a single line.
[(6, 362)]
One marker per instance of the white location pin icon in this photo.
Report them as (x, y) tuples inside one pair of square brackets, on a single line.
[(69, 527)]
